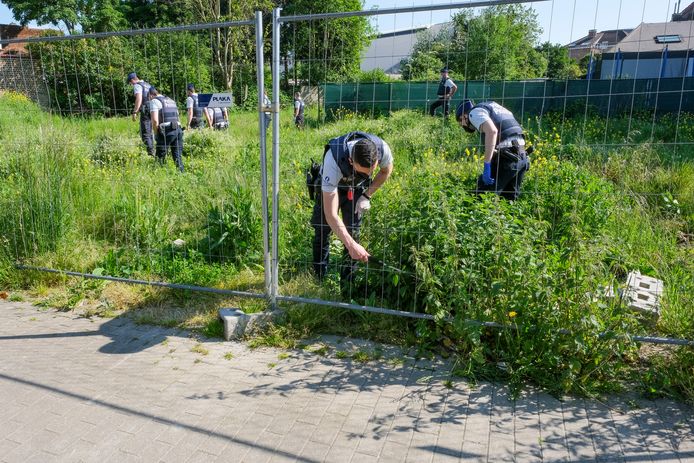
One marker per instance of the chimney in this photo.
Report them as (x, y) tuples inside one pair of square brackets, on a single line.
[(592, 33)]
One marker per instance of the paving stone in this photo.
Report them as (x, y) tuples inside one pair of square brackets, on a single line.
[(114, 392)]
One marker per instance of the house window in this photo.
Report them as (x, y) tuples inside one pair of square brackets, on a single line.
[(673, 38)]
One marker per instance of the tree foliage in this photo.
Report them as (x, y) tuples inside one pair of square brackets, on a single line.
[(101, 15), (325, 50), (559, 65), (421, 66), (233, 48), (87, 76), (497, 44)]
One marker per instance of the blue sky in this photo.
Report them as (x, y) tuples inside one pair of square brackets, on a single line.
[(562, 20)]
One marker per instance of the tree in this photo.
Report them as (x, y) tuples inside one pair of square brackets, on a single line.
[(56, 12), (325, 50), (73, 15), (497, 44), (232, 47), (148, 13), (559, 65), (421, 66)]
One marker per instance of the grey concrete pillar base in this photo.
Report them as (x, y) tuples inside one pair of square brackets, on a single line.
[(237, 323)]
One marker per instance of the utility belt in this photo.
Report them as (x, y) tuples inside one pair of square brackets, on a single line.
[(169, 126), (513, 152), (314, 180), (352, 189), (221, 125)]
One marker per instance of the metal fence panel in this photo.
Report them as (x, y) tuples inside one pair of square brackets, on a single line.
[(84, 197)]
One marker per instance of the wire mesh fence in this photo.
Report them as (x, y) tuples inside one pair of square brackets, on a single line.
[(595, 205), (90, 186), (608, 191)]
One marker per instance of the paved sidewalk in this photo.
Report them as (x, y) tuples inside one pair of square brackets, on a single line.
[(73, 389)]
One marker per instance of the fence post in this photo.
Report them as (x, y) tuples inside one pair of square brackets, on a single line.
[(275, 151), (260, 75)]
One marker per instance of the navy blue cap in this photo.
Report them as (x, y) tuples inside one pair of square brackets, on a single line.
[(464, 107), (152, 88), (190, 87), (131, 76), (445, 69)]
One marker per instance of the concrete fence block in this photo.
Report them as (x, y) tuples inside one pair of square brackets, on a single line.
[(235, 321), (259, 321), (643, 293)]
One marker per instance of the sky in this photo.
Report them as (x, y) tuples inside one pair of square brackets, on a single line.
[(562, 21)]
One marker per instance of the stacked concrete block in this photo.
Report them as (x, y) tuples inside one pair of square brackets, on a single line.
[(643, 293)]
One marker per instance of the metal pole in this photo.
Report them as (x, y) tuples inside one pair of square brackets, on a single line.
[(412, 9), (161, 284), (260, 75), (275, 151)]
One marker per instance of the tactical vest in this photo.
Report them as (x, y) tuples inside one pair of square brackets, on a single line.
[(168, 111), (443, 90), (505, 123), (301, 108), (217, 116), (340, 151), (197, 110), (144, 108)]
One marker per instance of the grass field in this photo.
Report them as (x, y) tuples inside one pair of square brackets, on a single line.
[(603, 197)]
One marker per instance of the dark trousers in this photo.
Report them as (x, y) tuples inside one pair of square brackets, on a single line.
[(437, 103), (196, 123), (321, 237), (171, 139), (508, 174), (146, 133)]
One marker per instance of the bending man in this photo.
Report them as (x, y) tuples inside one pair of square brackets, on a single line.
[(349, 163), (505, 158)]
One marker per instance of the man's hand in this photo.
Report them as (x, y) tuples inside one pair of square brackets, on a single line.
[(134, 116), (363, 205), (357, 252), (487, 174)]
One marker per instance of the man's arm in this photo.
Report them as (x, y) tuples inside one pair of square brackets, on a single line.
[(155, 122), (330, 207), (190, 117), (207, 116), (138, 104), (489, 130), (454, 89), (380, 179)]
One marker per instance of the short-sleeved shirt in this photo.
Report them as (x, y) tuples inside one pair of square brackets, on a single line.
[(190, 103), (155, 106), (137, 88), (331, 173), (449, 83), (479, 116), (297, 104)]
